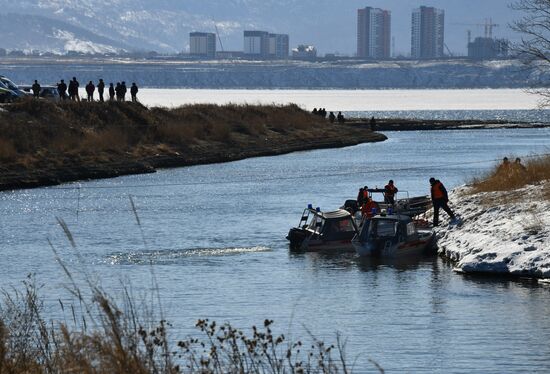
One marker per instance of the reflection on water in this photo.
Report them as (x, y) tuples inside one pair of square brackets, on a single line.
[(214, 236)]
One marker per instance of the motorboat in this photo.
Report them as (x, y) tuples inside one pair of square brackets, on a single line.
[(323, 231), (409, 206), (393, 235)]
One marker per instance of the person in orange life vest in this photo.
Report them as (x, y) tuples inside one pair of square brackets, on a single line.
[(368, 206), (389, 193), (440, 200)]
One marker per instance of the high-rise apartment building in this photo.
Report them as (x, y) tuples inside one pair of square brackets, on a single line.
[(373, 33), (256, 44), (278, 46), (202, 44), (428, 33)]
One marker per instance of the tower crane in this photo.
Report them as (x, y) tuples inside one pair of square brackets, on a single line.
[(488, 25)]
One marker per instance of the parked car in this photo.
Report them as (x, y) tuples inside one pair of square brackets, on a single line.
[(9, 85), (5, 95), (46, 92)]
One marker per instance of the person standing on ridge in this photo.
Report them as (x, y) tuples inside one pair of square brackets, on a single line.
[(101, 89), (133, 91), (62, 90), (73, 90), (118, 91), (389, 193), (123, 91), (90, 89), (331, 117), (36, 89), (440, 200), (111, 92), (340, 118)]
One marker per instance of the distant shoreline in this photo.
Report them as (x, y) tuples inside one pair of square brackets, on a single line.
[(424, 125)]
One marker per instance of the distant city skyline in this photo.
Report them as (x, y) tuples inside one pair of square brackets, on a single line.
[(460, 17), (164, 26)]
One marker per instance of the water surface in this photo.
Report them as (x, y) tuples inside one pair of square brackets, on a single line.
[(213, 236)]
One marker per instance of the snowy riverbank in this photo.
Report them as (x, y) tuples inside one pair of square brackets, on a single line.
[(502, 232)]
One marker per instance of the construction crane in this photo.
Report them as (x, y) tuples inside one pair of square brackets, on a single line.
[(218, 34), (448, 50), (488, 25)]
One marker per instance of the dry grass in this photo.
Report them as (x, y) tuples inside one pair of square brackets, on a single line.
[(104, 338), (512, 177), (7, 150), (34, 129), (107, 339)]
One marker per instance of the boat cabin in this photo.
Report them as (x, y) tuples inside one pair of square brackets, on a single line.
[(323, 230), (392, 235)]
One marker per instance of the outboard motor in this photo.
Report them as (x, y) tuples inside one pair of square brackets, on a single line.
[(296, 236)]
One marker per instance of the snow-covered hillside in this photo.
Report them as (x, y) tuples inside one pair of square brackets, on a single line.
[(502, 232), (226, 74), (32, 32)]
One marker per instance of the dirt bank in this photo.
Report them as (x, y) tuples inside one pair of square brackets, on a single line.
[(43, 143)]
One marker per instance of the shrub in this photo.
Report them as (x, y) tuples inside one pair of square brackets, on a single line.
[(513, 176)]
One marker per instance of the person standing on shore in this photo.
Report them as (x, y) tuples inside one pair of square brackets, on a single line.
[(440, 200), (62, 90), (133, 91), (111, 92), (101, 89), (340, 118), (90, 89), (331, 117), (36, 89), (372, 124)]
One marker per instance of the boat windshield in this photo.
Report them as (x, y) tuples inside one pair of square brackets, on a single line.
[(383, 228)]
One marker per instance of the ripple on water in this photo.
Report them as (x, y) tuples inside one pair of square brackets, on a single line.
[(174, 256)]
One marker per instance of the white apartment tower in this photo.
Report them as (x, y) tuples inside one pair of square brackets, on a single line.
[(202, 44)]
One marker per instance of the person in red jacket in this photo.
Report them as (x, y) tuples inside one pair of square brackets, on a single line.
[(440, 199), (369, 208), (389, 193)]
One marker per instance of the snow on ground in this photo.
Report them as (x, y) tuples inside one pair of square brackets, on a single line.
[(502, 232), (350, 100)]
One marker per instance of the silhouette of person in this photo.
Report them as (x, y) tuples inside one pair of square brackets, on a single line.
[(111, 92), (101, 89), (133, 91), (118, 91), (73, 90), (372, 123), (62, 90), (90, 88), (123, 91), (36, 89), (331, 117)]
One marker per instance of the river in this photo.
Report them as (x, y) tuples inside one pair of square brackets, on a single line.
[(214, 238)]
